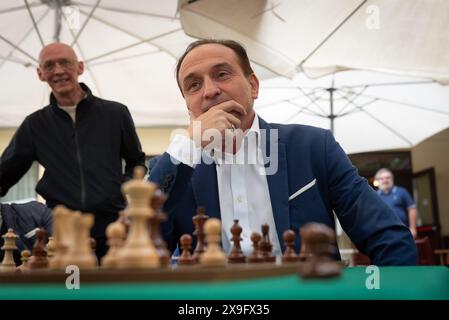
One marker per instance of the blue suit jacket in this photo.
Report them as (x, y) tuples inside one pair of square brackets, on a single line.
[(304, 154), (24, 218)]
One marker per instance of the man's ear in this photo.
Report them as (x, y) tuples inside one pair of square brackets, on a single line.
[(80, 67), (40, 74), (254, 82)]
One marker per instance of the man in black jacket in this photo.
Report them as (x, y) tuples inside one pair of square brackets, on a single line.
[(80, 140)]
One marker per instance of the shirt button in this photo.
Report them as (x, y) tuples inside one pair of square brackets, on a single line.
[(240, 199)]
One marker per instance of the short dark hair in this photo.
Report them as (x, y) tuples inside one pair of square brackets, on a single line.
[(231, 44)]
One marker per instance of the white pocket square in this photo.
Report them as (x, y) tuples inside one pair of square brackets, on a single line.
[(31, 233), (303, 189)]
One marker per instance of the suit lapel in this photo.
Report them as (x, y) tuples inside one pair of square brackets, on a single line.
[(205, 189), (278, 181)]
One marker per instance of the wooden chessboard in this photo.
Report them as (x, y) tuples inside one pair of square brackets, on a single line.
[(169, 274)]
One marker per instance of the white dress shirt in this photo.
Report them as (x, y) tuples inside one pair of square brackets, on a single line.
[(242, 187)]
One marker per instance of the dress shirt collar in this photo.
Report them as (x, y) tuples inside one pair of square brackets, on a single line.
[(249, 151)]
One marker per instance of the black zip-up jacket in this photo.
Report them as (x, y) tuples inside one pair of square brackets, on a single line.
[(82, 160)]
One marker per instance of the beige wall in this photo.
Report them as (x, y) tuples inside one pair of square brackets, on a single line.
[(154, 140), (5, 136), (434, 152)]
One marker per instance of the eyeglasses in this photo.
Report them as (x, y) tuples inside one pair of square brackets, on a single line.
[(49, 66)]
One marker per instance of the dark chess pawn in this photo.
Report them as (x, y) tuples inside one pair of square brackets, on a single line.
[(39, 260), (319, 240), (198, 220), (236, 255), (265, 246), (186, 244), (123, 219), (289, 242), (93, 246), (159, 217), (304, 253), (255, 256)]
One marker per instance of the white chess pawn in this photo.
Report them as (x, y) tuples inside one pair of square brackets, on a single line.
[(213, 256), (115, 232), (24, 257)]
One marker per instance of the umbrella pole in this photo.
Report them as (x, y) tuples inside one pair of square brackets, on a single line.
[(331, 115), (58, 20)]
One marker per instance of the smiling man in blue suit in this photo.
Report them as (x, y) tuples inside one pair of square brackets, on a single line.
[(238, 166)]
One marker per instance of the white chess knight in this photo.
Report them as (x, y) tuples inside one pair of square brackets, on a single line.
[(139, 250)]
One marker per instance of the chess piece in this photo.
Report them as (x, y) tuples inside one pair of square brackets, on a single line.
[(138, 251), (116, 233), (213, 256), (93, 244), (256, 256), (62, 236), (265, 246), (289, 241), (198, 220), (24, 257), (320, 243), (80, 249), (9, 246), (186, 244), (159, 217), (124, 220), (304, 253), (236, 254), (39, 260), (93, 247), (50, 248)]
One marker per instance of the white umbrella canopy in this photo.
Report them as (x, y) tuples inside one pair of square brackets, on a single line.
[(407, 37), (129, 49), (370, 111)]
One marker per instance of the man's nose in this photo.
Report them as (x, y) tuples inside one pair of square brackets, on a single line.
[(58, 68), (211, 90)]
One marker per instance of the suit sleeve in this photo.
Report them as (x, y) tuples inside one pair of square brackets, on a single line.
[(131, 149), (173, 178), (368, 221), (17, 157)]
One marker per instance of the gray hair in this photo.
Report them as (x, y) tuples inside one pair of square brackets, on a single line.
[(383, 170)]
